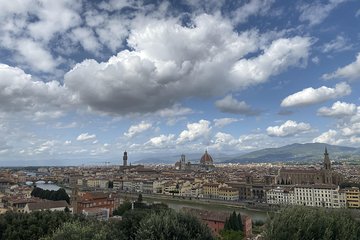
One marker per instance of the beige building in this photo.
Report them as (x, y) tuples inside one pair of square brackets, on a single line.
[(280, 196), (228, 194), (352, 197)]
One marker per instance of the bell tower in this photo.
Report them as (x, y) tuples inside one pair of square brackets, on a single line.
[(327, 163), (125, 158)]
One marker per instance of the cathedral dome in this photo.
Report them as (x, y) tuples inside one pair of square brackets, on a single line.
[(206, 159)]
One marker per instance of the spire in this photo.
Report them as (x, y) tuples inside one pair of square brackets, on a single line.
[(327, 163)]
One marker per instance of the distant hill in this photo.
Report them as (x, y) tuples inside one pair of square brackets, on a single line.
[(308, 152)]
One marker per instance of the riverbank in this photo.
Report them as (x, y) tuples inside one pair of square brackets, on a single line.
[(178, 203)]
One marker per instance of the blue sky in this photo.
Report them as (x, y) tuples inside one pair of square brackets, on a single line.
[(82, 81)]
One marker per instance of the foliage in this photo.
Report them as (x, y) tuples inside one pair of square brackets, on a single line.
[(122, 208), (171, 225), (312, 223), (231, 235), (84, 231), (51, 194), (140, 198), (18, 226), (233, 222)]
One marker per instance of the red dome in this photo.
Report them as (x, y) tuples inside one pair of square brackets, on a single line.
[(206, 159)]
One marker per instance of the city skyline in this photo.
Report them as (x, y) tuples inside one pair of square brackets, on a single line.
[(85, 80)]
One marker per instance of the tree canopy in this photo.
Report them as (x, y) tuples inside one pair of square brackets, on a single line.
[(51, 194), (312, 223)]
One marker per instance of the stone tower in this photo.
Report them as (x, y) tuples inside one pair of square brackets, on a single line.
[(74, 199), (327, 163), (125, 158)]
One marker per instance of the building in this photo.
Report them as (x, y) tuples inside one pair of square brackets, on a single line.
[(320, 196), (206, 163), (280, 196), (329, 196), (46, 205), (215, 220), (88, 201), (228, 194), (125, 158), (352, 197), (325, 175)]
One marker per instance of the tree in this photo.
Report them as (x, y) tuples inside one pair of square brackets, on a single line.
[(140, 198), (122, 208), (80, 230), (233, 222), (171, 225), (312, 223), (231, 235)]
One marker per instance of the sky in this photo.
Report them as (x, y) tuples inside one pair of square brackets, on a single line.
[(83, 81)]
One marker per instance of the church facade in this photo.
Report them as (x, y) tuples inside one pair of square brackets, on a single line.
[(325, 175)]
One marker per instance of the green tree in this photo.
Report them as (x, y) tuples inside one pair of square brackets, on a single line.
[(171, 225), (140, 198), (312, 223), (231, 235), (80, 230), (233, 222), (122, 208)]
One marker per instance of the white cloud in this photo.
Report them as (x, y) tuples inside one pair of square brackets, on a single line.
[(329, 137), (162, 141), (289, 128), (175, 111), (224, 141), (231, 105), (316, 12), (310, 96), (277, 57), (87, 39), (18, 92), (86, 137), (339, 44), (315, 60), (251, 8), (221, 122), (169, 62), (137, 129), (35, 55), (194, 131), (338, 109), (350, 72)]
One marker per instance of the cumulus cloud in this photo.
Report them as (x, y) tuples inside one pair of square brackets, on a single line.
[(338, 109), (329, 137), (350, 72), (195, 131), (289, 128), (221, 122), (316, 12), (168, 62), (310, 96), (280, 55), (18, 92), (86, 137), (137, 129), (162, 141), (231, 105)]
